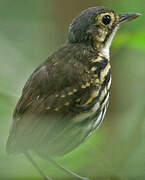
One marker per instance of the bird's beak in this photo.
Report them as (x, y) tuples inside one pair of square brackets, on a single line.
[(127, 17)]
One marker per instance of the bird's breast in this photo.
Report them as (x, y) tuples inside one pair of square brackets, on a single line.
[(100, 72), (98, 99)]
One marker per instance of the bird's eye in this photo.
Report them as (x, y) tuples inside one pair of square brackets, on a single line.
[(106, 19)]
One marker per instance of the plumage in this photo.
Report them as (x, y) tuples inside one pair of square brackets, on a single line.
[(66, 98), (49, 99)]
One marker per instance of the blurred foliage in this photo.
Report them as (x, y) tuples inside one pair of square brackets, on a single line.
[(30, 31)]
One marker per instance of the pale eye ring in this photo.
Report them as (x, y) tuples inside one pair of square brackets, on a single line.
[(106, 19)]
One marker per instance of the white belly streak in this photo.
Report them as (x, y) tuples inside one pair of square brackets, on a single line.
[(107, 98), (92, 127), (95, 125), (102, 114), (96, 122), (96, 107)]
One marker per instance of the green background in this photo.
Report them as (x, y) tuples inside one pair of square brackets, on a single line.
[(30, 30)]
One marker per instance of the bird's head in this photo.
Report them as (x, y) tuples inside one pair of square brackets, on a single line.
[(97, 26)]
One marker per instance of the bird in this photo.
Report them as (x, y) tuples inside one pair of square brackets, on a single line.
[(65, 99)]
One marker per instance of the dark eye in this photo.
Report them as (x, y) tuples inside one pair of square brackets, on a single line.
[(106, 19)]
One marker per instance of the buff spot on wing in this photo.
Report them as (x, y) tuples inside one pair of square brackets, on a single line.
[(83, 86), (56, 109), (63, 96), (48, 108), (94, 68), (78, 100), (88, 84), (75, 90), (70, 93), (67, 104)]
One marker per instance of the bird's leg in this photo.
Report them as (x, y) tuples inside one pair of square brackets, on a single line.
[(66, 170), (36, 166)]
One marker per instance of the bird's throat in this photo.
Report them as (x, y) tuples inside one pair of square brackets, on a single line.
[(104, 47)]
